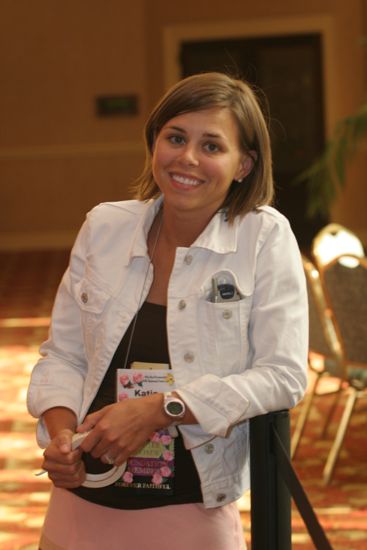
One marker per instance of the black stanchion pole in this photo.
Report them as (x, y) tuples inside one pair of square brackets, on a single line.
[(270, 497)]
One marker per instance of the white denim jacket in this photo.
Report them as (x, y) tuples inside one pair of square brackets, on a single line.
[(231, 361)]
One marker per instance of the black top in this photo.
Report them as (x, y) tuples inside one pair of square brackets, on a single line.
[(149, 344)]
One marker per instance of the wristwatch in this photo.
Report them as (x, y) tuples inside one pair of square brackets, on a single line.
[(173, 406)]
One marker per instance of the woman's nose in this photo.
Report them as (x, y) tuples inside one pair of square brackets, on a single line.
[(189, 155)]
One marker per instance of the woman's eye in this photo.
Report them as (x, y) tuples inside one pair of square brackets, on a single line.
[(211, 147), (176, 140)]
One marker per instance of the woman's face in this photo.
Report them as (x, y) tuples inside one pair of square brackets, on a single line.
[(196, 157)]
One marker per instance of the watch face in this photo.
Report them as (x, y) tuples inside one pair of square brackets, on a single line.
[(175, 408)]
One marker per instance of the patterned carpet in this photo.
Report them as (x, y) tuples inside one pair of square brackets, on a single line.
[(27, 285)]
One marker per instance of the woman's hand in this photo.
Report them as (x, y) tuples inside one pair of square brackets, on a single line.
[(64, 466), (122, 429)]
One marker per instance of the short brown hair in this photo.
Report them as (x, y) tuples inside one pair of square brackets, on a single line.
[(205, 91)]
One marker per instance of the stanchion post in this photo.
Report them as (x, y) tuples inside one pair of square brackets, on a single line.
[(270, 497)]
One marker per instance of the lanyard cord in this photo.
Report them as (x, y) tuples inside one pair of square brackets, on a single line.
[(142, 291)]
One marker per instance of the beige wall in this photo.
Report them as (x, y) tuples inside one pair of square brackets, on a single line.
[(57, 158)]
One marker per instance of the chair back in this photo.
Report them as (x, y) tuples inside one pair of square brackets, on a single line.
[(323, 338), (332, 241), (345, 283)]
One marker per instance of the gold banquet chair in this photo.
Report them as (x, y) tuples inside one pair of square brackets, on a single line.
[(345, 283), (325, 355), (332, 241)]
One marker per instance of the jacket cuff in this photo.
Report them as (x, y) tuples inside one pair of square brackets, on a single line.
[(206, 398)]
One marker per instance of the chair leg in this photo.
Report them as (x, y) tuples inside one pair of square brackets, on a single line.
[(332, 409), (303, 416), (340, 434)]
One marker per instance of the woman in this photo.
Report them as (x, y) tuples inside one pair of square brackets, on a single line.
[(197, 273)]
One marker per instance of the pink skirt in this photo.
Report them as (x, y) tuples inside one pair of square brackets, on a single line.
[(72, 523)]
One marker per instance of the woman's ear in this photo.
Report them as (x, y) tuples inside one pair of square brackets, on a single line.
[(246, 165)]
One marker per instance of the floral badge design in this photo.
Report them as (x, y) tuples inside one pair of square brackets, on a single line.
[(128, 382), (165, 467)]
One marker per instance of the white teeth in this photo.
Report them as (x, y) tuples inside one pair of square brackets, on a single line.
[(185, 180)]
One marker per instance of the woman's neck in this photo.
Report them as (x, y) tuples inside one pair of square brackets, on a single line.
[(181, 229)]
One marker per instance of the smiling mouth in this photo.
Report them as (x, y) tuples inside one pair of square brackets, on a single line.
[(186, 180)]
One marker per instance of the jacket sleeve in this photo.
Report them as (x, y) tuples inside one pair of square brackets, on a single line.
[(57, 378), (275, 375)]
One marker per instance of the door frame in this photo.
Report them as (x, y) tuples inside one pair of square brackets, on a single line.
[(174, 35)]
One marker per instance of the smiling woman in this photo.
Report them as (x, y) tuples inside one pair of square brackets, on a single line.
[(196, 157), (197, 275), (222, 94)]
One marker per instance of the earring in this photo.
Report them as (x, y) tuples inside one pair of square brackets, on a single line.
[(240, 180)]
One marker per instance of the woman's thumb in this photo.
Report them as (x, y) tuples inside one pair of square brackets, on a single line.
[(65, 441)]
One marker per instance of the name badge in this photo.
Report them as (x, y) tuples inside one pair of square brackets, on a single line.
[(152, 469)]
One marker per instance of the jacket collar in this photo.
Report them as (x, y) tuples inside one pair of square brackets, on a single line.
[(146, 212), (219, 236)]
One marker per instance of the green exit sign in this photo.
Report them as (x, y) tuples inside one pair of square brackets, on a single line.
[(117, 105)]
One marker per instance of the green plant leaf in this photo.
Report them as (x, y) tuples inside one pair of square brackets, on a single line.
[(327, 175)]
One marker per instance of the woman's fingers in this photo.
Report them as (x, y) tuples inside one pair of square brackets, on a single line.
[(63, 462), (119, 449), (64, 466), (120, 429), (68, 479), (90, 421)]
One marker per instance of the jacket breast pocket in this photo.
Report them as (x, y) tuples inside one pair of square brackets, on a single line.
[(92, 300), (224, 328)]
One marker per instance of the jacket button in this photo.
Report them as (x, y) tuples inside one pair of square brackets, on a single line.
[(189, 357), (181, 304), (209, 448), (227, 314), (188, 259), (84, 297), (221, 497)]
